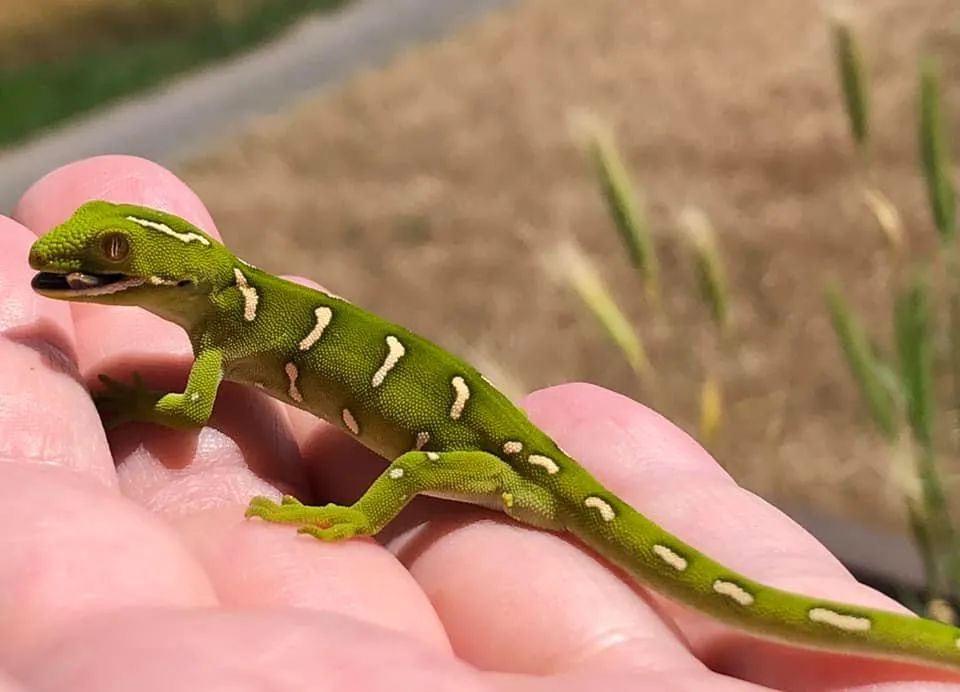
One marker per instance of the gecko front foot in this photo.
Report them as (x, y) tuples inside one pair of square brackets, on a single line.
[(328, 523), (120, 403)]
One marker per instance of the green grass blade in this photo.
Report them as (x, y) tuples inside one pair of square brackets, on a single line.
[(914, 336), (572, 266), (906, 480), (708, 266), (876, 389), (913, 329), (623, 202), (934, 154), (952, 266), (853, 82)]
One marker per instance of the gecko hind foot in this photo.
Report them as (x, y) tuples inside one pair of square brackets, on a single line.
[(268, 510), (328, 523)]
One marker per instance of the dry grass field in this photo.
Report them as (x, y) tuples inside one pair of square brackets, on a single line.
[(424, 190)]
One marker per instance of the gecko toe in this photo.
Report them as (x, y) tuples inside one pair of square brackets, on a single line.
[(337, 532)]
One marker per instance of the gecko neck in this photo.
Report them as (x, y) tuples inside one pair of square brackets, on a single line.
[(191, 312)]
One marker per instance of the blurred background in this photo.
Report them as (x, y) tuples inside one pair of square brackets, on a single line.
[(742, 214)]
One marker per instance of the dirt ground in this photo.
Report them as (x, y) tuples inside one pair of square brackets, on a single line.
[(416, 190)]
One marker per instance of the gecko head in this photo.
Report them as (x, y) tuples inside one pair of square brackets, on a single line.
[(129, 255)]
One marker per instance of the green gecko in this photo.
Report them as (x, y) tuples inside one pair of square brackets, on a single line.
[(446, 430)]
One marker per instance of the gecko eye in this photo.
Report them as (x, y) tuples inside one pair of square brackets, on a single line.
[(115, 246)]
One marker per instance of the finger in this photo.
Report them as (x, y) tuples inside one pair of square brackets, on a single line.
[(341, 468), (104, 333), (71, 548), (347, 469), (201, 481), (577, 611), (356, 578), (119, 342), (521, 600), (46, 416), (254, 563), (65, 532), (482, 591), (59, 466), (8, 684), (51, 200), (660, 470), (241, 649), (114, 178), (288, 650)]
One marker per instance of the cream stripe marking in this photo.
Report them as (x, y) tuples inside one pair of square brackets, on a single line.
[(323, 315), (187, 237), (512, 447), (109, 289), (395, 351), (250, 297), (606, 511), (350, 421), (462, 394), (423, 438), (395, 473), (546, 462), (671, 557), (734, 591), (292, 374), (849, 623), (433, 456)]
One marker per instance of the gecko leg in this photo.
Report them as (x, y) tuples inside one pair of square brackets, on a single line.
[(121, 403), (473, 476)]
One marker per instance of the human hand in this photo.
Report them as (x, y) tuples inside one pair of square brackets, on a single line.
[(130, 566)]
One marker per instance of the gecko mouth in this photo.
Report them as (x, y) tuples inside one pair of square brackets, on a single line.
[(82, 284)]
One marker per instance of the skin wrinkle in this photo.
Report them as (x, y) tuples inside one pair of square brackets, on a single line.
[(617, 646)]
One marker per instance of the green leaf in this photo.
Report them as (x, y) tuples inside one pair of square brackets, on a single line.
[(623, 203), (853, 82), (571, 265), (914, 336), (934, 154), (877, 388), (708, 266)]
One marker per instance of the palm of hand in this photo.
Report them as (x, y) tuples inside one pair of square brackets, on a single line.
[(130, 566)]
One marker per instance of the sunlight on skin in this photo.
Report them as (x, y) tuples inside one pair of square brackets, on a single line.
[(9, 685), (108, 569)]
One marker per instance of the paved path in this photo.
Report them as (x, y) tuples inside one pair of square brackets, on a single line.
[(170, 122)]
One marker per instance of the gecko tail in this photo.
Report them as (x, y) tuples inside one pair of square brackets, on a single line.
[(660, 560)]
